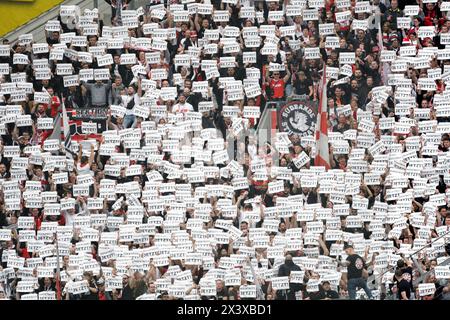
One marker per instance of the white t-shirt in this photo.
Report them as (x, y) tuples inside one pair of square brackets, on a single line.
[(126, 99), (185, 107), (84, 169)]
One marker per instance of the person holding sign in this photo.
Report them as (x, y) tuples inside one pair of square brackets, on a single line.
[(98, 94), (182, 106), (285, 270), (356, 273), (403, 286), (277, 84)]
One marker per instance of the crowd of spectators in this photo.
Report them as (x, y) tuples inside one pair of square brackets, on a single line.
[(178, 199)]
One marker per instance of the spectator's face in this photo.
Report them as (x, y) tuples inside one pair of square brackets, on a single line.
[(326, 286), (394, 4), (354, 84), (38, 172), (288, 56), (130, 90), (182, 99), (329, 16), (152, 288), (370, 81), (2, 168), (376, 119), (446, 143), (276, 75), (424, 104)]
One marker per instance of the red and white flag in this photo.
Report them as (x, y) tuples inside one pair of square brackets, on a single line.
[(384, 66), (322, 152)]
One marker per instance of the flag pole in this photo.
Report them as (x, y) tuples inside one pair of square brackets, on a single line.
[(322, 156), (58, 271)]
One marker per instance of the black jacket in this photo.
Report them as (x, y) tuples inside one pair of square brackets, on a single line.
[(285, 271)]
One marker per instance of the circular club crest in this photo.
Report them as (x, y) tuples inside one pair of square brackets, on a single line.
[(297, 118)]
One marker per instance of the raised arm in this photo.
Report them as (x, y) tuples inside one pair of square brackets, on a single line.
[(91, 156), (196, 23), (288, 74)]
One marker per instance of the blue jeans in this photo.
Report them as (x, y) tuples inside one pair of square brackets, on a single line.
[(288, 90), (129, 120), (355, 283)]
